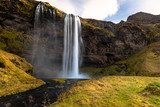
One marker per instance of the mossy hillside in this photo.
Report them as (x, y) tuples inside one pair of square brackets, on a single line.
[(23, 8), (111, 91), (131, 27), (13, 76), (152, 31), (144, 63), (12, 41), (88, 27)]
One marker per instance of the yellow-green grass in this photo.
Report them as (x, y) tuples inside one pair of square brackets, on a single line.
[(111, 91), (13, 76), (60, 80), (144, 63)]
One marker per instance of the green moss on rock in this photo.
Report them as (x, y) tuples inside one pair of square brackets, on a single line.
[(152, 31), (153, 88), (23, 8), (12, 41)]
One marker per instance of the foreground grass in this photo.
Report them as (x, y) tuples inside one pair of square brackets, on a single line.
[(13, 76), (116, 91), (144, 63)]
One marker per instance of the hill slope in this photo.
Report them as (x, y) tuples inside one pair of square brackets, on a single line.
[(13, 76)]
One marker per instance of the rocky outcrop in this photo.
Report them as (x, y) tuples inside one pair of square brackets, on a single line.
[(144, 18)]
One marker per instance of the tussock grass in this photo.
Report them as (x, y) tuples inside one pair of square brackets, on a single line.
[(112, 91)]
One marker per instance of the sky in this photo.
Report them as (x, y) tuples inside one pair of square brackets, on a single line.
[(107, 10)]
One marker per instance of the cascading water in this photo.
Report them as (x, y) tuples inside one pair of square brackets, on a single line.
[(45, 58), (38, 13), (72, 47)]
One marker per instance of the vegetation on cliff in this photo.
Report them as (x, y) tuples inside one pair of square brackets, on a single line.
[(89, 27), (144, 63), (152, 32), (13, 75), (12, 41), (113, 91), (24, 8)]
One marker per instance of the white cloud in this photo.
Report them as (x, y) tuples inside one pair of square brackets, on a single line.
[(100, 9), (64, 5), (97, 9), (150, 6)]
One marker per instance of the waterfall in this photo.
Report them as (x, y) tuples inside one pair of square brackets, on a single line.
[(47, 45), (72, 46), (38, 14), (45, 57)]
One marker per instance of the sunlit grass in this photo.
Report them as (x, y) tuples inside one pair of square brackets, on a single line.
[(13, 76), (60, 80), (113, 91)]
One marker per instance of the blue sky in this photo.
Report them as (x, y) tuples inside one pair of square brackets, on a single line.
[(108, 10)]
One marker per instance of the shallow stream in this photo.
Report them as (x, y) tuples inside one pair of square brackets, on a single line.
[(39, 97)]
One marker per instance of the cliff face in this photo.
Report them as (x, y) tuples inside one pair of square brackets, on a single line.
[(105, 42), (113, 43)]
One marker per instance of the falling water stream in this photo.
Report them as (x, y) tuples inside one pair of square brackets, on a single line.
[(45, 57), (72, 47)]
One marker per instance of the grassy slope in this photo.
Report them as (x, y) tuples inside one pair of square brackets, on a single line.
[(144, 63), (13, 76), (111, 92)]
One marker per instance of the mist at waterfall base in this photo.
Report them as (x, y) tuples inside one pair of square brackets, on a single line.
[(47, 58)]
